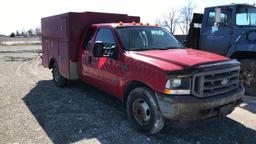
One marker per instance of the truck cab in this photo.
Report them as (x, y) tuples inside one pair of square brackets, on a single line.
[(142, 65), (228, 30)]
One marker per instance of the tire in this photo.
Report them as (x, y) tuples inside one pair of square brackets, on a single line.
[(248, 75), (143, 111), (58, 79)]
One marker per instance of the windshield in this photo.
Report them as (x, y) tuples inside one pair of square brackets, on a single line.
[(146, 38), (246, 16)]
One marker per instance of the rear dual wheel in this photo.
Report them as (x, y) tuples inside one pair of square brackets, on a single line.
[(58, 79)]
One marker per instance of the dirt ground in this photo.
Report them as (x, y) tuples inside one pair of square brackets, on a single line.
[(34, 110)]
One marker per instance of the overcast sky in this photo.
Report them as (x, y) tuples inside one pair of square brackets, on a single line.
[(25, 14)]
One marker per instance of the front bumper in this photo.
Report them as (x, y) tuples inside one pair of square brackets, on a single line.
[(190, 108)]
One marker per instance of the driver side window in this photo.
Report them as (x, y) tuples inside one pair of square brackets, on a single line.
[(105, 36)]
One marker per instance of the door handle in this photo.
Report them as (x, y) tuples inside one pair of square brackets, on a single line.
[(90, 59)]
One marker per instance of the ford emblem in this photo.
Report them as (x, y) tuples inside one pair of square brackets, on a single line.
[(224, 82)]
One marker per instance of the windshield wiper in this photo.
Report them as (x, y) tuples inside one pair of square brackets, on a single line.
[(170, 48), (141, 49)]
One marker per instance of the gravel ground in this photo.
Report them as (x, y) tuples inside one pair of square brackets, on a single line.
[(34, 110)]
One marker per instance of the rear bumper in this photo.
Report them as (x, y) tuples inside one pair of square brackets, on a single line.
[(190, 108)]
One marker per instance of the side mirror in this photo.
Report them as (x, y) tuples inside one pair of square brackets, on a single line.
[(98, 49)]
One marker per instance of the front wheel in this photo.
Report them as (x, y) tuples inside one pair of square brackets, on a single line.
[(58, 79), (143, 111), (248, 75)]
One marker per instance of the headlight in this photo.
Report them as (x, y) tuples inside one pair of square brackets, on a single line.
[(177, 86), (173, 83)]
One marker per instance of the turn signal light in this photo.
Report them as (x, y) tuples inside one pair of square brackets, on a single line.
[(167, 91)]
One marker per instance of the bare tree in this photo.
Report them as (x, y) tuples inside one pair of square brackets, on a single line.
[(186, 13), (17, 33), (170, 20), (30, 33), (38, 31), (23, 32), (12, 34)]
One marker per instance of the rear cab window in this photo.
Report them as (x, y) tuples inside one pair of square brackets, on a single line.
[(88, 37)]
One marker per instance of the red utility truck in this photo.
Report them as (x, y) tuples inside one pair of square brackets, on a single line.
[(142, 65)]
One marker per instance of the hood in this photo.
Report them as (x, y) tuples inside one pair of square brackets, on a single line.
[(176, 59)]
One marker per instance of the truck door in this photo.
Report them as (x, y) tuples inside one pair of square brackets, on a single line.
[(214, 37), (107, 67)]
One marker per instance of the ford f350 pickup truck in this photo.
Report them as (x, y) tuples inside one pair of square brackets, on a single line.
[(142, 65)]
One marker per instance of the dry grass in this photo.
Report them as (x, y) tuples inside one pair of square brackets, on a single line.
[(20, 41)]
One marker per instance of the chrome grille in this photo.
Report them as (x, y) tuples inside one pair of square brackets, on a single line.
[(215, 82)]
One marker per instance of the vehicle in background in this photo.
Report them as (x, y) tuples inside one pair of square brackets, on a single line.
[(142, 65), (228, 30)]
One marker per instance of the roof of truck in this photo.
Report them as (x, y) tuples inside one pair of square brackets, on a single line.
[(232, 4), (120, 24)]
